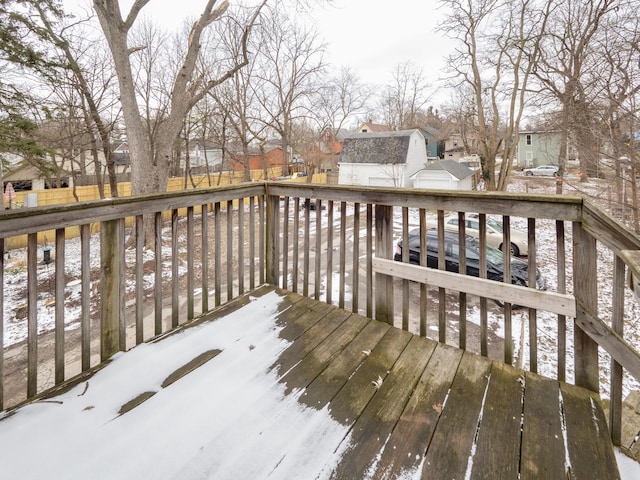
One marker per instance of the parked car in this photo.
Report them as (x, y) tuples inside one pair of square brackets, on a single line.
[(542, 171), (495, 264), (519, 245)]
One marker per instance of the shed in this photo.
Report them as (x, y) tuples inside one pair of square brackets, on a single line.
[(444, 175)]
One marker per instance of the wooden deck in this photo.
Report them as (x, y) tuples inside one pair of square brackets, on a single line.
[(407, 406), (413, 404)]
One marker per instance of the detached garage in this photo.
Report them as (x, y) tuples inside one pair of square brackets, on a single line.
[(444, 175), (386, 159)]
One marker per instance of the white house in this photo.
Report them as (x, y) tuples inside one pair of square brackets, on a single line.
[(444, 175), (381, 159), (202, 154)]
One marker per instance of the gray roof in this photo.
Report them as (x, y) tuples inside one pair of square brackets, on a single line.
[(380, 147), (456, 169), (434, 132)]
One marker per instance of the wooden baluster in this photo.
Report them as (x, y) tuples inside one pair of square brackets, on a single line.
[(285, 242), (32, 308), (585, 288), (296, 244), (175, 279), (329, 271), (59, 306), (533, 313), (355, 270), (506, 255), (462, 244), (343, 253), (204, 258), (190, 265), (369, 260), (562, 288), (384, 249), (139, 239), (158, 274), (111, 253), (405, 259), (617, 324)]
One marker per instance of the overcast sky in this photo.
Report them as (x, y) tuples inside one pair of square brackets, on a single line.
[(371, 36), (374, 36)]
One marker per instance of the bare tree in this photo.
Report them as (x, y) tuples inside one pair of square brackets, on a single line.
[(290, 64), (620, 83), (151, 154), (89, 73), (567, 66), (498, 42), (237, 98), (405, 98), (341, 98)]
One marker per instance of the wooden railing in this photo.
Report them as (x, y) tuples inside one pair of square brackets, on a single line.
[(332, 243)]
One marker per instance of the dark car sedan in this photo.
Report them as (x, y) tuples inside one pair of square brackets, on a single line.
[(495, 265)]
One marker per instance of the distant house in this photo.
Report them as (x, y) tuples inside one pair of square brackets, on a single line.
[(455, 147), (325, 153), (381, 159), (83, 164), (431, 138), (444, 175), (202, 154), (269, 160), (537, 148), (370, 127)]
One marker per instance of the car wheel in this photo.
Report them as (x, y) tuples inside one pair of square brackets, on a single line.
[(555, 174), (529, 174), (514, 251)]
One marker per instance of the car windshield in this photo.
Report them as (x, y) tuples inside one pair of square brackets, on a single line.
[(494, 255), (473, 252), (497, 226)]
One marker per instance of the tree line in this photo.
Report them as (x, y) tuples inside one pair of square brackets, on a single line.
[(241, 74)]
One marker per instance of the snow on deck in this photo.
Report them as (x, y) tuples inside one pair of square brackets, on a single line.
[(281, 386)]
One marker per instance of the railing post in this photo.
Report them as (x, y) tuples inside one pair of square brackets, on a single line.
[(384, 249), (271, 239), (585, 287), (111, 253)]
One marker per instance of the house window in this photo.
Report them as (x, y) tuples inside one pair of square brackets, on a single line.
[(528, 139)]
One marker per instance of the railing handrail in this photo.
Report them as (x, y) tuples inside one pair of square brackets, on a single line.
[(28, 220), (555, 207), (606, 229)]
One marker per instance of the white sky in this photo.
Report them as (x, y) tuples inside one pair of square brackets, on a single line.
[(370, 36), (374, 36)]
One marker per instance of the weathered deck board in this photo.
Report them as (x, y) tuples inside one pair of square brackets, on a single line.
[(542, 420), (437, 406), (587, 451), (451, 446), (406, 406), (501, 418)]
